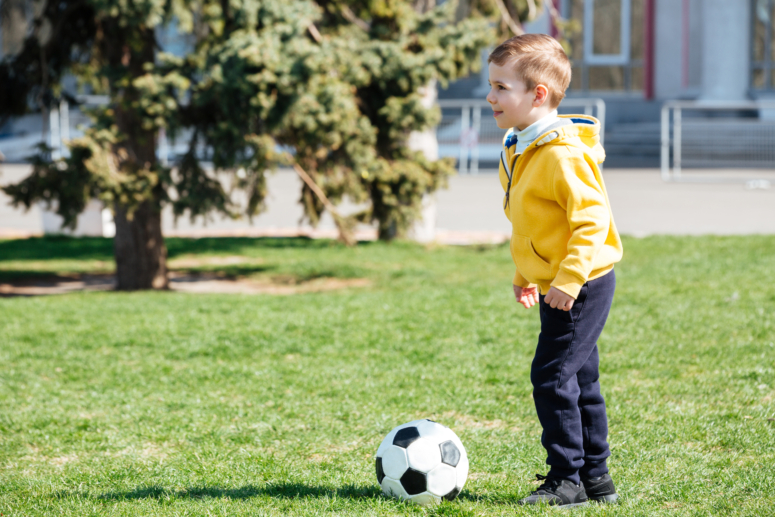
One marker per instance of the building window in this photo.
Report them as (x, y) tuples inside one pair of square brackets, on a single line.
[(607, 54), (763, 41)]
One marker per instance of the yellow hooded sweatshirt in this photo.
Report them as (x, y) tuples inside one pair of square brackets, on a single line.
[(563, 232)]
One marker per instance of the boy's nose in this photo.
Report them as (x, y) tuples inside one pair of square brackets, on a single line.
[(490, 97)]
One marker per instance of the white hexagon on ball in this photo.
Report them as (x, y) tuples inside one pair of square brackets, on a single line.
[(394, 462), (456, 440), (431, 429), (423, 455), (441, 480), (425, 499), (392, 487), (388, 441), (462, 471)]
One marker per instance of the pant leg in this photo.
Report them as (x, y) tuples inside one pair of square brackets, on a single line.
[(557, 401), (567, 342), (594, 422)]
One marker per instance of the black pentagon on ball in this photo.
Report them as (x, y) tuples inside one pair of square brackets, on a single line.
[(413, 482), (380, 472), (406, 436), (452, 494), (449, 453)]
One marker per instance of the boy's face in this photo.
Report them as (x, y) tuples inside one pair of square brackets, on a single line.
[(512, 104)]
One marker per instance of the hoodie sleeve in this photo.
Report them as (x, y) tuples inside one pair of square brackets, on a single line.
[(520, 280), (578, 191)]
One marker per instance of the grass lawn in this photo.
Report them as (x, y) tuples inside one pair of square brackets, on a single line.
[(162, 403)]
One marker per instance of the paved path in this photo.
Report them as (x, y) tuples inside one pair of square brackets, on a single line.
[(469, 211)]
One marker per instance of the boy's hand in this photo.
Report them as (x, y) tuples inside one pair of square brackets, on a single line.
[(556, 299), (527, 296)]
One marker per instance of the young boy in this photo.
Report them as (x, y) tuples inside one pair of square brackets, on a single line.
[(564, 245)]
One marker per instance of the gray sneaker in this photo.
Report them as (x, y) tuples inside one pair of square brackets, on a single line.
[(557, 492), (600, 489)]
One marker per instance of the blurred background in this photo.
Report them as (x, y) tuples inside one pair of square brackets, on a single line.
[(683, 89), (209, 153)]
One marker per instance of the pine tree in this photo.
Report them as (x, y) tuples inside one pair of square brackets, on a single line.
[(335, 82), (508, 15)]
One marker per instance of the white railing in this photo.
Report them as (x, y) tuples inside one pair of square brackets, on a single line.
[(62, 127), (464, 134), (715, 141), (60, 123)]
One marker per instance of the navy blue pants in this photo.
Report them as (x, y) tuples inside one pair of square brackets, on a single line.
[(566, 389)]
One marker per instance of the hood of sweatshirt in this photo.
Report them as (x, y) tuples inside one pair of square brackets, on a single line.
[(582, 131)]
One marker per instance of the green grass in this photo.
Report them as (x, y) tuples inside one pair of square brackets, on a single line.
[(165, 403)]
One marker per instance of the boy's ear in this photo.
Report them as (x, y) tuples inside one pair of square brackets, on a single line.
[(541, 96)]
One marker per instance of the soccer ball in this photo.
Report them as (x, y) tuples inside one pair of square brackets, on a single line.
[(422, 462)]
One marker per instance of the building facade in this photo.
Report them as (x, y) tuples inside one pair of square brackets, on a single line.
[(634, 54), (637, 54)]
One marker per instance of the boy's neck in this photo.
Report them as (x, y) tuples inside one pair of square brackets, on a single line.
[(536, 115)]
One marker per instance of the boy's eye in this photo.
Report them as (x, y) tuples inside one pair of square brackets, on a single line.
[(500, 87)]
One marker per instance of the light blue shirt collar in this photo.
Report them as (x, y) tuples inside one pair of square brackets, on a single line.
[(528, 135)]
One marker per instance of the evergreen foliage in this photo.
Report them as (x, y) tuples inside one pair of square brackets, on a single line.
[(334, 82)]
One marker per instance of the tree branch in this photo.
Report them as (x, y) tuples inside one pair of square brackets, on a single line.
[(531, 9), (423, 6), (350, 17), (552, 9), (314, 188), (313, 31), (344, 225), (553, 14), (515, 27)]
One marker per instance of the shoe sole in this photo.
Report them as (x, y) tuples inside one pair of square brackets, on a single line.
[(606, 499), (568, 506), (558, 506)]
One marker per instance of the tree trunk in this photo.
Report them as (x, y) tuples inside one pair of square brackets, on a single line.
[(141, 256), (387, 232), (424, 229)]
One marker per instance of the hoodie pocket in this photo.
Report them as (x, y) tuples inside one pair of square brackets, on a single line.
[(529, 264)]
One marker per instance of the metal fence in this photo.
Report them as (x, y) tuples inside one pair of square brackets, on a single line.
[(713, 135), (476, 141), (465, 132)]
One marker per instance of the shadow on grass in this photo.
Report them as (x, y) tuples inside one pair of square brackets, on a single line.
[(95, 248), (489, 498), (225, 271), (180, 246), (277, 491), (57, 247), (280, 491), (98, 248), (34, 276)]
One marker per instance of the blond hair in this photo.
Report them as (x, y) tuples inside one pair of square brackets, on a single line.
[(537, 59)]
